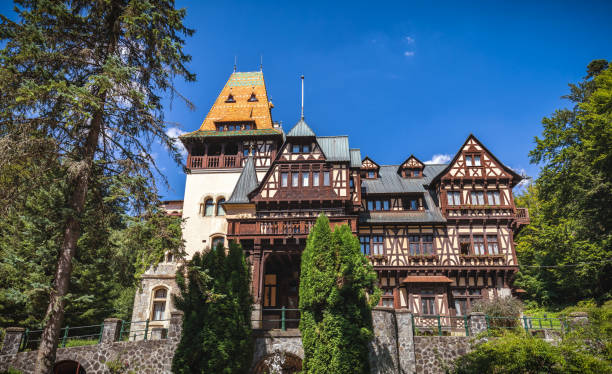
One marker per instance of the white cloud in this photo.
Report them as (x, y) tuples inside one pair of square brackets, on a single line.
[(409, 53), (174, 133), (439, 159), (409, 39)]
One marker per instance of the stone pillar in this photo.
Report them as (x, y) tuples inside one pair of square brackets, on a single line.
[(578, 319), (110, 333), (12, 340), (478, 323), (176, 325), (256, 316), (383, 348), (405, 342), (159, 333)]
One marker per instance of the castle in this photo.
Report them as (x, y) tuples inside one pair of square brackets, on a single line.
[(439, 236)]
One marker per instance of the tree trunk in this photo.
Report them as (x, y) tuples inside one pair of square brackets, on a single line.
[(55, 312)]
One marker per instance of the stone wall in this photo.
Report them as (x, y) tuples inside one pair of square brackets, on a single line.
[(433, 354)]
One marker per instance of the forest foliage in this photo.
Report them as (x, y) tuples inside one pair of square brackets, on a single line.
[(565, 254)]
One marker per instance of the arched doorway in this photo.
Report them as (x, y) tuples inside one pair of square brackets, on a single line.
[(281, 289), (68, 367), (278, 363)]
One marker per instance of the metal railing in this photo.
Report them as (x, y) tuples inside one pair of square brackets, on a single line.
[(529, 324), (141, 330), (69, 337), (441, 325), (277, 318)]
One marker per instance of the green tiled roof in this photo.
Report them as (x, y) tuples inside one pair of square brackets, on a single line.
[(254, 132)]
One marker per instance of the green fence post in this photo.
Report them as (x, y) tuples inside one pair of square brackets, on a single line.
[(121, 331), (146, 329), (65, 335), (525, 320), (540, 320), (465, 322), (283, 327), (439, 326), (25, 338), (412, 320), (101, 333), (487, 322), (551, 323)]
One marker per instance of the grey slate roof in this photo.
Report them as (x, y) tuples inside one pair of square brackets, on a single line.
[(301, 129), (389, 181), (355, 158), (247, 182), (335, 148)]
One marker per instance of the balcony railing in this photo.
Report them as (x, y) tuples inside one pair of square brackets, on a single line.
[(281, 226), (212, 162), (522, 216)]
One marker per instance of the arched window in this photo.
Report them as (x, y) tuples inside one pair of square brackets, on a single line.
[(216, 241), (220, 209), (159, 304), (208, 207)]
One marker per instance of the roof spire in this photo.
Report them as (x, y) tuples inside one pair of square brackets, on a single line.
[(261, 62), (302, 78), (235, 63)]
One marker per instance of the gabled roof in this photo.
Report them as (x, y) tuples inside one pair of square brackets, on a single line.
[(389, 181), (335, 148), (366, 159), (411, 162), (301, 129), (355, 158), (515, 176), (247, 182)]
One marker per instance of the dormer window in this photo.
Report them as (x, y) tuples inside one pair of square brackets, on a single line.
[(371, 174), (230, 99), (411, 168), (300, 148), (253, 98)]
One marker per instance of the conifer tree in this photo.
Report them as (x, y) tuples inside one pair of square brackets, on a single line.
[(337, 291), (216, 303), (87, 77)]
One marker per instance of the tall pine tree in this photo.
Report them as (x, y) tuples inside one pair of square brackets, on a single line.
[(216, 302), (337, 291), (87, 78)]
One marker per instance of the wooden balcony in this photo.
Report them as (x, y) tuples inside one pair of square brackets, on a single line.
[(522, 217), (280, 227), (224, 161)]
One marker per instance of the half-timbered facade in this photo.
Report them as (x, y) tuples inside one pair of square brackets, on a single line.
[(439, 236)]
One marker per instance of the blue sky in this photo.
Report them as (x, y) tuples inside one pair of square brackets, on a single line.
[(400, 78)]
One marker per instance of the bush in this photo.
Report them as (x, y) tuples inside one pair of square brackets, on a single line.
[(517, 353), (505, 311)]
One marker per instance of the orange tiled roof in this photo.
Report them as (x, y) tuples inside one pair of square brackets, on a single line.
[(427, 279), (241, 85)]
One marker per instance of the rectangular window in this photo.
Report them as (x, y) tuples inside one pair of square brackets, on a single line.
[(370, 204), (479, 247), (478, 198), (351, 183), (365, 245), (453, 197), (416, 173), (387, 298), (159, 309), (465, 243), (493, 198), (284, 179), (414, 204), (476, 160), (468, 160), (295, 148), (385, 204), (414, 244), (371, 174), (315, 179), (326, 178), (427, 245), (306, 148), (270, 290), (305, 178), (378, 204), (295, 179), (428, 306), (377, 244), (492, 245)]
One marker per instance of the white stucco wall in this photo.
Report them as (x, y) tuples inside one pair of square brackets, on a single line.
[(198, 230)]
